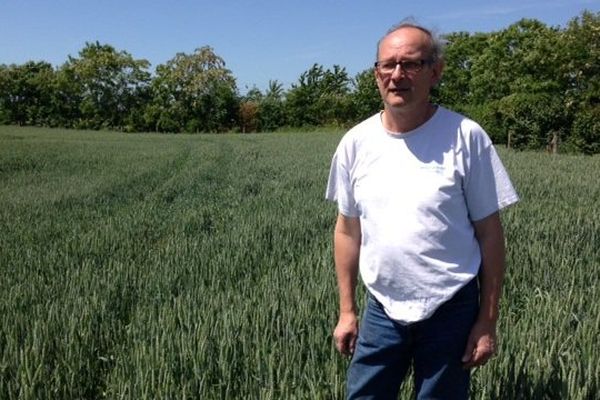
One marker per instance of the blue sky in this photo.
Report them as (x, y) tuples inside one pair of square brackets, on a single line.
[(260, 40)]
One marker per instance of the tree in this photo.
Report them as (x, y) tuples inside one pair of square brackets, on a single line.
[(580, 44), (25, 93), (66, 99), (249, 116), (521, 58), (531, 119), (272, 107), (5, 114), (462, 51), (366, 99), (109, 85), (511, 82), (193, 93), (249, 113), (321, 97), (585, 135)]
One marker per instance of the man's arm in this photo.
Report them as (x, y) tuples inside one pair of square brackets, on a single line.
[(481, 345), (346, 240)]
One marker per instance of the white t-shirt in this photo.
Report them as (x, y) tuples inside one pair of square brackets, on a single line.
[(416, 194)]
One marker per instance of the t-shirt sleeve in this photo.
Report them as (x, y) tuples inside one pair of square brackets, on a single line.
[(488, 187), (339, 185)]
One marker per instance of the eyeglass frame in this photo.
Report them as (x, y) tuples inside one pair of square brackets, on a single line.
[(420, 64)]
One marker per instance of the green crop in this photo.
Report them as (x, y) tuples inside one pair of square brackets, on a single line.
[(200, 266)]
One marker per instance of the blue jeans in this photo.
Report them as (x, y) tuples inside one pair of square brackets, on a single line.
[(386, 349)]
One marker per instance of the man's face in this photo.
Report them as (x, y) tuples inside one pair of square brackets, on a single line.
[(399, 88)]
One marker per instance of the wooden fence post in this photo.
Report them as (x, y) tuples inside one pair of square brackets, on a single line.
[(552, 146)]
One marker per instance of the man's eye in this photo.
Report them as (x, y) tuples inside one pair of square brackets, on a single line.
[(410, 65)]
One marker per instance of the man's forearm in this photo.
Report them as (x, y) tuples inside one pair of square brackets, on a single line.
[(491, 277), (346, 267), (491, 242), (346, 254), (481, 345)]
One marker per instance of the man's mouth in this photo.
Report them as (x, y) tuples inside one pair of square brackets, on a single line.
[(400, 90)]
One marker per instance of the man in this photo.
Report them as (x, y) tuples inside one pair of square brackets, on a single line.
[(419, 189)]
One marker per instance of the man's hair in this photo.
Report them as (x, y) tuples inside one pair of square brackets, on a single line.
[(436, 46)]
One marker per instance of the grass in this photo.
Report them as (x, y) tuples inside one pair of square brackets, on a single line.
[(199, 266)]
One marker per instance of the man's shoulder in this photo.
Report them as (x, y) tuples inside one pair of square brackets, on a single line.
[(366, 126), (362, 131), (468, 135), (459, 119), (463, 126)]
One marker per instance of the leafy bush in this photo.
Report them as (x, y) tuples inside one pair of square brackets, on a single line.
[(585, 135)]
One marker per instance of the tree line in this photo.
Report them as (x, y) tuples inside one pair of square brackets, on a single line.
[(529, 85)]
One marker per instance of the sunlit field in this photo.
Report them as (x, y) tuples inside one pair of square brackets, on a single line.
[(200, 266)]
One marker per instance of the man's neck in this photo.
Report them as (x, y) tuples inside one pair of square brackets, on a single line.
[(402, 120)]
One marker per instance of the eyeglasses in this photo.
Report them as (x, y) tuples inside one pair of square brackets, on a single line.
[(407, 66)]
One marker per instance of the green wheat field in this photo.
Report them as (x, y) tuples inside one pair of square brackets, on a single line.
[(200, 267)]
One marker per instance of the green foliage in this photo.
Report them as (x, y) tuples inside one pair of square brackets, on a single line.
[(586, 131), (461, 52), (530, 118), (193, 93), (488, 116), (528, 82), (522, 58), (109, 85), (366, 99), (25, 93), (320, 97), (160, 266), (580, 71), (272, 107)]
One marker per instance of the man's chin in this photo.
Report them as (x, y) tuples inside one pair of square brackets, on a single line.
[(396, 102), (398, 97)]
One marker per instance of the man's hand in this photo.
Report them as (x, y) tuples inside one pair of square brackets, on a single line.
[(346, 333), (481, 345)]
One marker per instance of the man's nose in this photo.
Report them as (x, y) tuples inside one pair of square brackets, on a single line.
[(398, 72)]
